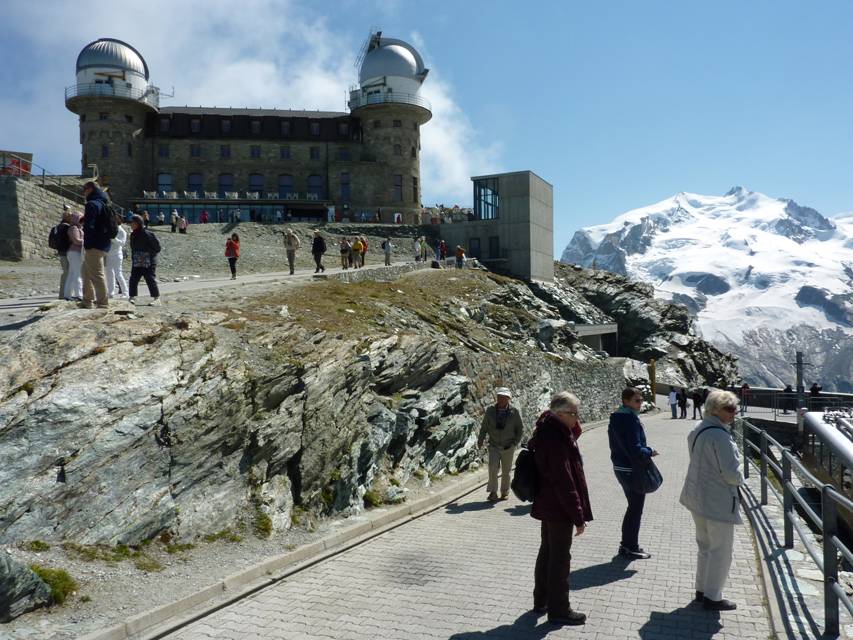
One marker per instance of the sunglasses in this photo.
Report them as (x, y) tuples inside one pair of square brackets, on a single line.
[(730, 409)]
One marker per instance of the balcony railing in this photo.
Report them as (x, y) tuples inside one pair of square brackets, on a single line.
[(357, 99), (150, 95)]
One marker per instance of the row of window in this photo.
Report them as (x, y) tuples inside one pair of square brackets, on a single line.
[(397, 124), (164, 151), (257, 184), (225, 126)]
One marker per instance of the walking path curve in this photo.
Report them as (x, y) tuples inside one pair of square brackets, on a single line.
[(465, 572)]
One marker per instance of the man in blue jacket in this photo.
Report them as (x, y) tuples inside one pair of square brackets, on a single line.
[(628, 443), (96, 242)]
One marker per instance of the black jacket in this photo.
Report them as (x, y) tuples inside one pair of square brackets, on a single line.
[(144, 242), (96, 224), (318, 245)]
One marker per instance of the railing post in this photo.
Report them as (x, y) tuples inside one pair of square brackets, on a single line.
[(42, 177), (745, 449), (763, 467), (787, 500), (829, 524)]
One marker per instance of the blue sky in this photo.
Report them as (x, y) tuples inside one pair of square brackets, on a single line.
[(617, 104)]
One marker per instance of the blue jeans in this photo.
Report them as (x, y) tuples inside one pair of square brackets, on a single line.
[(674, 408), (634, 513)]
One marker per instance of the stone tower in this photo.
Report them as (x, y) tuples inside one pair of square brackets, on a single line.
[(389, 106), (112, 97)]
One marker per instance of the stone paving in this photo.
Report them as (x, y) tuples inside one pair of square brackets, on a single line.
[(466, 572)]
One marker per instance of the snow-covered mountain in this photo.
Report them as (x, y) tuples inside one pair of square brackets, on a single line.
[(765, 276)]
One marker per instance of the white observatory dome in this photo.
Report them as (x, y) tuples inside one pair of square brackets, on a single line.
[(389, 60), (109, 53)]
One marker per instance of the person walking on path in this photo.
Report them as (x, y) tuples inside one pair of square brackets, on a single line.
[(561, 504), (144, 248), (174, 220), (161, 219), (232, 252), (183, 223), (115, 260), (628, 443), (387, 247), (346, 253), (356, 249), (682, 403), (364, 247), (318, 248), (74, 281), (146, 219), (697, 399), (711, 495), (424, 249), (60, 241), (744, 398), (442, 249), (503, 426), (291, 244), (673, 402), (96, 243)]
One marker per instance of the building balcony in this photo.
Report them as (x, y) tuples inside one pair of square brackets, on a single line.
[(150, 95), (357, 100)]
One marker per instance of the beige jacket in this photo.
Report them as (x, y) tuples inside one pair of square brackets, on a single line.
[(291, 242), (507, 437)]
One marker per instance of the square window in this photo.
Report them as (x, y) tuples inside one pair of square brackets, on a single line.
[(165, 123), (398, 124), (345, 187), (315, 153), (225, 151), (343, 154), (128, 118), (103, 116), (225, 124), (315, 128), (255, 151), (195, 125), (195, 151), (255, 127), (285, 127), (377, 124), (163, 150), (285, 152), (343, 128), (397, 194)]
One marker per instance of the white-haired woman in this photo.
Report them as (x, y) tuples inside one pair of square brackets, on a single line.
[(561, 503), (711, 494)]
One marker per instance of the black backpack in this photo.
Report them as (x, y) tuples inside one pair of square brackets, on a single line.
[(112, 221), (524, 478), (58, 238)]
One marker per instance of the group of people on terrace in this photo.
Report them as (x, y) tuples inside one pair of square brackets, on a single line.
[(561, 500)]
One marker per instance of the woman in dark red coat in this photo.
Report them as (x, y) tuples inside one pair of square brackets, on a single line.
[(561, 503)]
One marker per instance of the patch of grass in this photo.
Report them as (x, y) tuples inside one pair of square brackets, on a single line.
[(226, 534), (372, 498), (290, 546), (262, 524), (60, 582), (179, 548), (328, 497), (29, 387), (394, 481), (296, 516), (420, 474), (149, 565), (36, 546), (85, 599)]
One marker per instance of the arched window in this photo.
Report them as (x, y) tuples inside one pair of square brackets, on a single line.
[(315, 185), (285, 185), (164, 182), (195, 183), (226, 183), (256, 182)]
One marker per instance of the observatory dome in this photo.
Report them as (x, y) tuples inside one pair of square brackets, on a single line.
[(389, 60), (108, 53)]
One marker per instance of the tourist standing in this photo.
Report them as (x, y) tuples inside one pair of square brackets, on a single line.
[(697, 399), (182, 224), (364, 247), (744, 398), (318, 248), (115, 258), (205, 217), (424, 249), (60, 241), (232, 252), (174, 220), (144, 248), (96, 244), (291, 244), (346, 253), (387, 247), (146, 219), (561, 504), (416, 247), (74, 281), (682, 403), (161, 219), (357, 248), (503, 426), (460, 257), (628, 444), (442, 252), (673, 402), (788, 399), (711, 495)]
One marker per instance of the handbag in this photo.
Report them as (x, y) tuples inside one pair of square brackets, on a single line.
[(645, 475)]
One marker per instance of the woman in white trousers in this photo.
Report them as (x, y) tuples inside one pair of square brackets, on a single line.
[(115, 258), (711, 494), (73, 282)]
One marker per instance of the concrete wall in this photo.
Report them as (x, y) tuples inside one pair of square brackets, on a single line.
[(27, 213)]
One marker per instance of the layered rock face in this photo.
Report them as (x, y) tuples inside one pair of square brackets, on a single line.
[(21, 590), (118, 425)]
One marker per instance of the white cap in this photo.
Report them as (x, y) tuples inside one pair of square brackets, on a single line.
[(503, 391)]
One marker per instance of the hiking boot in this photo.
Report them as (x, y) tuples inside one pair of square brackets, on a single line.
[(540, 609), (156, 303), (132, 301), (86, 305), (634, 554), (571, 618), (718, 605), (492, 497), (700, 597), (504, 496)]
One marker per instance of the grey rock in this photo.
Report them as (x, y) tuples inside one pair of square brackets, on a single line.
[(21, 590)]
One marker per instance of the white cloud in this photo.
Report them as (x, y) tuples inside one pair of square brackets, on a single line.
[(269, 53)]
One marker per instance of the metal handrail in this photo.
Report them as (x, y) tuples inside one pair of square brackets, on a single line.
[(357, 99), (150, 95), (826, 558)]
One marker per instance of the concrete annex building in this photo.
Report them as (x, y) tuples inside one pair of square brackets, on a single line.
[(256, 160)]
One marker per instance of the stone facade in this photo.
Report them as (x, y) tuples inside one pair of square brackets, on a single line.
[(27, 213)]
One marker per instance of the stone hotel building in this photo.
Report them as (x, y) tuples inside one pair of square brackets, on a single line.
[(304, 164)]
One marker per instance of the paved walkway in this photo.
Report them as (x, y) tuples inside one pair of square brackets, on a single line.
[(465, 572)]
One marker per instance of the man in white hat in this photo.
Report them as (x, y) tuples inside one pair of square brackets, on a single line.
[(503, 425)]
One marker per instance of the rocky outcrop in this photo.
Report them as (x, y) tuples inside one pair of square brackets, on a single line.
[(21, 590)]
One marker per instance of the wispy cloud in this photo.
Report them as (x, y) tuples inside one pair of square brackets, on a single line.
[(270, 53)]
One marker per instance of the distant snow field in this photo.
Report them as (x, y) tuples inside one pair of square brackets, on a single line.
[(764, 276)]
